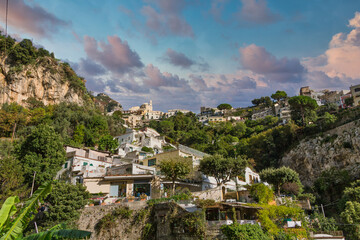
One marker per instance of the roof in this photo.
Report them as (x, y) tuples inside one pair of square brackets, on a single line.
[(192, 151)]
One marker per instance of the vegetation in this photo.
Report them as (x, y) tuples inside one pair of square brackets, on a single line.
[(224, 106), (280, 176), (238, 231), (303, 107), (261, 194), (222, 169), (175, 169)]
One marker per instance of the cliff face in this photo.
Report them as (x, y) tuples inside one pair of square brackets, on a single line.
[(46, 81), (338, 148)]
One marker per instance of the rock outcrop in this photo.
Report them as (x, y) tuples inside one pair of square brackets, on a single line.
[(46, 80), (337, 148)]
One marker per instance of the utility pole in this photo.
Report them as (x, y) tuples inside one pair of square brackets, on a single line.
[(32, 187), (322, 208)]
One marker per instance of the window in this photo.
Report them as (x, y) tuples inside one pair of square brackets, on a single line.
[(91, 164), (152, 162), (357, 89), (85, 163), (66, 165)]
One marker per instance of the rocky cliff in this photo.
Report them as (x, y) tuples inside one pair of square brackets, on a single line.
[(46, 80), (337, 148)]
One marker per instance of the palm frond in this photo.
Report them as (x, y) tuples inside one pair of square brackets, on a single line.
[(7, 210), (26, 214)]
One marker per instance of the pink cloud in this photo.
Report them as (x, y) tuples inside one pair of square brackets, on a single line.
[(257, 12), (31, 19), (168, 19), (260, 61), (155, 78), (116, 55), (341, 60)]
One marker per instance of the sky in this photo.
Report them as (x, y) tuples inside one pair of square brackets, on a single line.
[(187, 54)]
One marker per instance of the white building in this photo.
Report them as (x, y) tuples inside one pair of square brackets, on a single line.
[(173, 112)]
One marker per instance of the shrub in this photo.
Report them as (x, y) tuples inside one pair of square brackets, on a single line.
[(261, 193), (244, 232)]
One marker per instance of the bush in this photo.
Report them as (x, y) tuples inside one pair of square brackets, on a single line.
[(244, 232), (261, 193)]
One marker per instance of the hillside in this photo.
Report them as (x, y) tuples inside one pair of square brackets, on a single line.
[(337, 148), (30, 73)]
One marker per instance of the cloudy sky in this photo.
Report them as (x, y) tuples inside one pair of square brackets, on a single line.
[(187, 54)]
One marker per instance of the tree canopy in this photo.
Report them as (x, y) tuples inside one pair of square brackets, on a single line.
[(279, 95), (279, 176), (224, 106), (302, 106), (175, 169), (221, 168)]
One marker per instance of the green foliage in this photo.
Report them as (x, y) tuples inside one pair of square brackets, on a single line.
[(175, 169), (261, 193), (193, 223), (244, 232), (302, 107), (224, 106), (59, 232), (278, 177), (351, 217), (147, 149), (23, 53), (203, 203), (177, 197), (79, 134), (272, 218), (222, 169), (349, 101), (279, 95), (14, 227), (41, 152), (265, 101), (65, 202), (321, 223), (327, 190), (108, 143)]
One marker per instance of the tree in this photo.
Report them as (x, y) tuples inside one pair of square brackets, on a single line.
[(222, 169), (65, 202), (175, 169), (224, 106), (41, 152), (279, 95), (108, 143), (278, 177), (302, 105), (261, 193), (349, 101), (238, 231)]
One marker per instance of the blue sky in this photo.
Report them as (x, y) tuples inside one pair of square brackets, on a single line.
[(187, 54)]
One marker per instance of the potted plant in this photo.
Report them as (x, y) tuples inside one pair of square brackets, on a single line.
[(131, 198), (143, 197), (118, 200), (91, 203)]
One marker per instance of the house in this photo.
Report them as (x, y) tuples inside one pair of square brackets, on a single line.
[(343, 98), (82, 163), (262, 114), (285, 114), (316, 95), (153, 115), (173, 112), (355, 92), (123, 181), (216, 119), (181, 151), (134, 140)]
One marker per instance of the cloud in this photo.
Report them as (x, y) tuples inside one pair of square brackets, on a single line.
[(167, 20), (257, 12), (155, 79), (339, 65), (32, 19), (177, 59), (260, 61), (216, 9), (116, 55)]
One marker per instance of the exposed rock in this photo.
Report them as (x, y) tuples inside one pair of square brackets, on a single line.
[(338, 148), (45, 80)]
